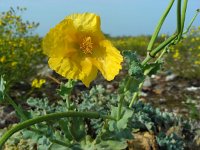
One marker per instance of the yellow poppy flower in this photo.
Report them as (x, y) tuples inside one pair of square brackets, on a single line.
[(77, 49)]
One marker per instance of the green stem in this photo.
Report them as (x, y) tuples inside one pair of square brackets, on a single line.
[(146, 60), (157, 49), (183, 13), (22, 116), (120, 106), (191, 22), (159, 25), (48, 117), (17, 109), (162, 45), (121, 100), (161, 55), (135, 95), (178, 16)]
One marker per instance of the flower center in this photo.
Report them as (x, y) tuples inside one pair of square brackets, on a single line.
[(86, 45)]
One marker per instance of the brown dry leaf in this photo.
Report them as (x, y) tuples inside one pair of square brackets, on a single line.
[(175, 129), (143, 141)]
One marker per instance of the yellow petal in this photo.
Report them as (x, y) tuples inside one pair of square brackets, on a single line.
[(74, 68), (77, 47), (108, 60), (61, 40), (86, 22)]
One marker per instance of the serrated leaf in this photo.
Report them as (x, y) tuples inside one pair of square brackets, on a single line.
[(66, 89), (122, 123), (114, 111), (134, 84), (135, 68), (64, 126), (119, 135), (112, 145), (27, 134), (77, 128), (131, 56), (58, 147), (152, 68), (43, 143), (119, 130)]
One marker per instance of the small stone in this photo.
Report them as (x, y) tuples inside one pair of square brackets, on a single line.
[(184, 110), (162, 101), (170, 77), (158, 89), (176, 110), (192, 88), (156, 77), (45, 71), (143, 94), (147, 83), (110, 88)]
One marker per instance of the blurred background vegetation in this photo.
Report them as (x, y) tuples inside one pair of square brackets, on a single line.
[(21, 54), (20, 48)]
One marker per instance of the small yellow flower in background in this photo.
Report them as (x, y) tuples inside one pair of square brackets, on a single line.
[(32, 49), (176, 55), (38, 83), (30, 26), (2, 59), (13, 64), (78, 49), (197, 62), (163, 35), (193, 40)]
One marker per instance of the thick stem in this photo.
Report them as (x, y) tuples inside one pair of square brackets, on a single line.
[(158, 49), (162, 45), (183, 14), (178, 16), (146, 60), (135, 95), (159, 25), (162, 54), (48, 117)]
